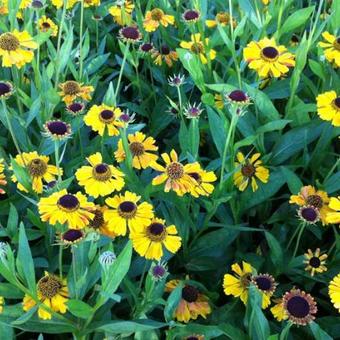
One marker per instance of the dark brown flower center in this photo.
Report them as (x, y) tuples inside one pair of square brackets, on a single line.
[(72, 235), (157, 14), (130, 33), (9, 42), (190, 293), (270, 53), (49, 286), (127, 209), (192, 338), (315, 262), (136, 148), (71, 88), (175, 170), (238, 96), (5, 89), (298, 307), (58, 128), (98, 220), (336, 103), (197, 47), (263, 283), (68, 203), (248, 170), (191, 15), (294, 38), (315, 200), (146, 47), (222, 18), (46, 25), (75, 107), (101, 172), (336, 43), (156, 232), (165, 50), (37, 167), (107, 116), (310, 214)]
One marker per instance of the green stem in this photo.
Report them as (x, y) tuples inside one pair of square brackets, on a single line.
[(61, 261), (302, 228), (293, 236), (331, 170), (121, 71), (57, 159), (81, 57), (74, 271)]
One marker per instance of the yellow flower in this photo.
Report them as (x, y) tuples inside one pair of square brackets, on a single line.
[(334, 215), (2, 302), (328, 104), (99, 179), (15, 48), (104, 116), (38, 169), (315, 263), (69, 3), (192, 304), (266, 285), (278, 311), (250, 169), (122, 13), (219, 103), (89, 3), (309, 196), (197, 47), (155, 18), (148, 241), (266, 2), (100, 225), (334, 291), (175, 174), (203, 179), (71, 90), (2, 175), (164, 54), (331, 48), (52, 293), (126, 213), (140, 147), (237, 285), (46, 24), (222, 18), (62, 207), (267, 58), (4, 7)]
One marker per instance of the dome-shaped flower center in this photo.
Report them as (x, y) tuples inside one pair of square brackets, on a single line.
[(192, 338), (165, 50), (49, 286), (222, 18), (136, 148), (101, 172), (298, 307), (72, 236), (157, 14), (336, 43), (130, 33), (9, 42), (294, 38), (158, 271), (107, 116), (37, 4), (46, 25), (190, 293), (175, 170), (5, 88), (37, 167), (127, 209), (68, 203), (75, 107), (191, 15), (71, 87), (146, 47), (263, 283), (196, 176), (156, 232), (336, 103), (98, 219), (238, 96), (315, 200), (309, 214), (315, 262), (248, 170), (197, 47), (270, 53), (58, 128)]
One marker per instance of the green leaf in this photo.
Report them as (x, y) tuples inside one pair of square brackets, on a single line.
[(293, 181), (79, 309), (333, 183), (121, 327), (276, 253), (218, 134), (96, 63), (172, 302), (297, 19), (318, 332), (12, 221), (21, 174), (272, 126)]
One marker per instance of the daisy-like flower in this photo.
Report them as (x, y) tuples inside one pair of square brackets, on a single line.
[(127, 118), (294, 40), (193, 111), (99, 224), (331, 48), (155, 18), (194, 337), (309, 214), (6, 89), (52, 293), (101, 117), (148, 241), (191, 16), (38, 168), (2, 175), (130, 34), (4, 10), (266, 284), (197, 47), (176, 80), (127, 213), (250, 170), (71, 90), (75, 108), (299, 306), (47, 25), (334, 291), (2, 302), (57, 130), (60, 3), (267, 58), (328, 105), (315, 262), (99, 179), (91, 3), (203, 178), (192, 304), (309, 196), (62, 207), (121, 12), (334, 215), (221, 18), (237, 285), (164, 54), (175, 174), (141, 148), (72, 237), (16, 48), (238, 98), (158, 271), (278, 310), (146, 48)]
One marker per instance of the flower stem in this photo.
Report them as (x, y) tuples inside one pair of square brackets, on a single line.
[(302, 228), (81, 57), (121, 71), (57, 159), (61, 262)]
